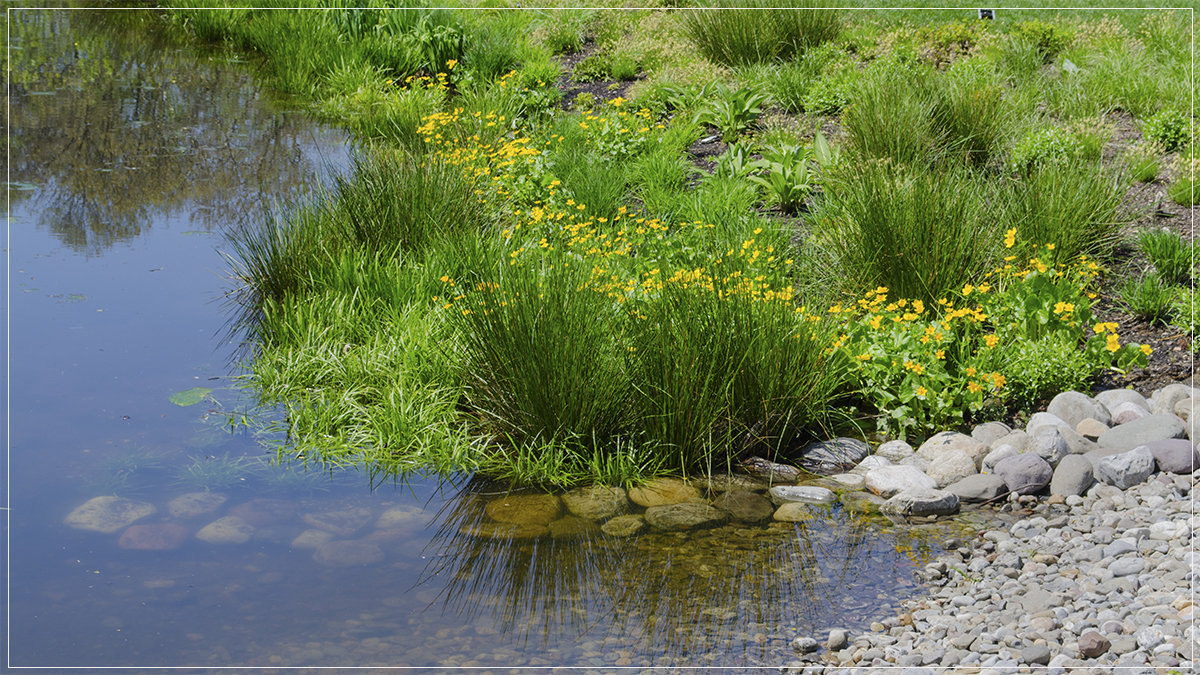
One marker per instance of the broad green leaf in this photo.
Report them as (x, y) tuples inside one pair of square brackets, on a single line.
[(190, 396)]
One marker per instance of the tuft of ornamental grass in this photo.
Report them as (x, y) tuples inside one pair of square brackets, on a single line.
[(1144, 163), (543, 361), (716, 372), (761, 31), (920, 232), (1169, 253), (392, 203), (1072, 204), (1148, 298)]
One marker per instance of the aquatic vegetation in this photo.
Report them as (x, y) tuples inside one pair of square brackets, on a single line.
[(129, 472), (218, 473)]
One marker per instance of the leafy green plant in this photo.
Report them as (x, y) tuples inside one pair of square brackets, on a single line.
[(735, 162), (740, 33), (734, 111), (825, 155), (1183, 314), (785, 176), (1148, 298), (595, 67), (1170, 129), (1047, 145), (1170, 255), (623, 67)]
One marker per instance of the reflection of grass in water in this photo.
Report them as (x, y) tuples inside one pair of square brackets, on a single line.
[(215, 473), (293, 478), (134, 471), (673, 597)]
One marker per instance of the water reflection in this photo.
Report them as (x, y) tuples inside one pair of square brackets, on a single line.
[(736, 593), (112, 128)]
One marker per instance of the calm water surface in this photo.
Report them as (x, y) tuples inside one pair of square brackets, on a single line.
[(130, 157)]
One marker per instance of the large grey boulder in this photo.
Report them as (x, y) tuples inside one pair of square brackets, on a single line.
[(888, 480), (1072, 476), (1175, 455), (998, 453), (894, 451), (980, 487), (834, 456), (1163, 400), (1124, 413), (1040, 421), (1050, 445), (1113, 397), (872, 462), (1073, 407), (951, 466), (686, 516), (1025, 473), (1016, 438), (1139, 432), (990, 432), (949, 441), (922, 502), (1124, 469)]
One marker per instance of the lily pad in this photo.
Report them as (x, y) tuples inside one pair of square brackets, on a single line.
[(190, 396)]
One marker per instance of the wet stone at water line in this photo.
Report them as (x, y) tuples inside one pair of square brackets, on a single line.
[(196, 504), (155, 537), (596, 502), (527, 510), (663, 491), (227, 530)]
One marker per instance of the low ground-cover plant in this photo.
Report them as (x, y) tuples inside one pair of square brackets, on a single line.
[(1169, 129), (785, 176), (734, 111), (1149, 298)]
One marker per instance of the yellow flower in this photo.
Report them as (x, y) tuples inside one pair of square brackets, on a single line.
[(940, 354), (998, 380), (863, 357), (921, 391), (970, 372), (991, 340), (1010, 238), (915, 367), (918, 307), (1147, 349), (450, 64), (1049, 247), (1112, 344), (967, 289), (974, 387)]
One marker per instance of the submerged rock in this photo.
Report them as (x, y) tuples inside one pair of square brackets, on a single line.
[(745, 506), (663, 491), (154, 537), (725, 482), (596, 502), (797, 512), (262, 511), (808, 494), (195, 504), (401, 518), (342, 523), (490, 530), (312, 539), (227, 530), (536, 510), (686, 516), (348, 554), (624, 526), (108, 514), (572, 527)]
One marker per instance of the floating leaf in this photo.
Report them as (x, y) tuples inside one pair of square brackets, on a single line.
[(190, 396)]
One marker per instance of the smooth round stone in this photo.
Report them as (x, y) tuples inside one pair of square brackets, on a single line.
[(1073, 407), (838, 639), (1114, 397), (1126, 566), (536, 510), (872, 462), (795, 512), (596, 502), (624, 526), (195, 504), (850, 481), (313, 539), (662, 492), (990, 432), (771, 472), (889, 480), (1175, 455), (685, 516), (227, 530), (922, 502), (1072, 476), (745, 506), (724, 482), (951, 466), (342, 522), (108, 514), (833, 456), (1092, 644), (155, 537), (894, 451), (1091, 428), (348, 554), (1025, 473), (1139, 432), (807, 494), (572, 527), (401, 517), (805, 645), (946, 441), (979, 487)]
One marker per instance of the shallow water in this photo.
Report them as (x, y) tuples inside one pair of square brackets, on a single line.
[(130, 158)]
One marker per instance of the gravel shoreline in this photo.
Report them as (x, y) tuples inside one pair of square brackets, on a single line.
[(1096, 582)]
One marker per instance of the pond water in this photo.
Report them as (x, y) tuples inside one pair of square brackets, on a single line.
[(130, 157)]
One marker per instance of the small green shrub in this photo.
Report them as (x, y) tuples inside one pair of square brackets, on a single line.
[(1170, 255), (1045, 146), (583, 101), (623, 67), (1048, 38), (891, 115), (1170, 129), (946, 42), (592, 68), (1148, 298), (744, 33), (785, 176), (1040, 369), (735, 162)]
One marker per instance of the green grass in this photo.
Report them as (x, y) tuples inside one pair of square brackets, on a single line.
[(1074, 205), (922, 233), (760, 32), (1148, 298), (1170, 255)]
